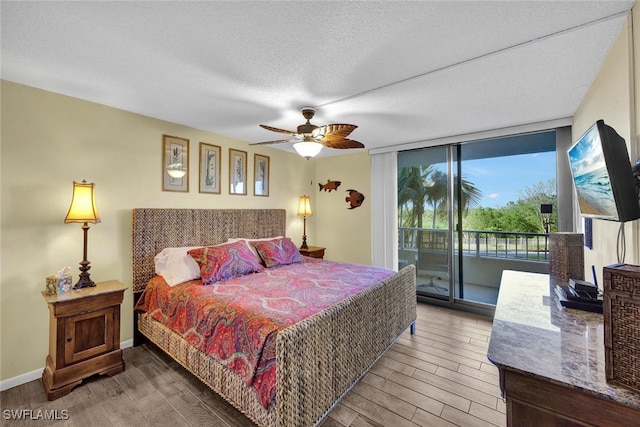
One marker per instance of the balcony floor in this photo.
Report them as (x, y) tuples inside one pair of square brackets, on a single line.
[(472, 291)]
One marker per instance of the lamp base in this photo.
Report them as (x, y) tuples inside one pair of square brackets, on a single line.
[(84, 281), (304, 233)]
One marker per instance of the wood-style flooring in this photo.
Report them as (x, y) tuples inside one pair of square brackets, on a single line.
[(438, 377)]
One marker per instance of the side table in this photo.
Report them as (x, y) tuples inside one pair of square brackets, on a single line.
[(84, 336), (313, 252)]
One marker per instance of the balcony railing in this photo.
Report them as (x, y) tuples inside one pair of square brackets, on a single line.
[(480, 243)]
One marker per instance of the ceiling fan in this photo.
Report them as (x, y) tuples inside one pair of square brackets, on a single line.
[(309, 138)]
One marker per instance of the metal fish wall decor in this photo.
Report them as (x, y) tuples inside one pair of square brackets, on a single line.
[(330, 185), (354, 199)]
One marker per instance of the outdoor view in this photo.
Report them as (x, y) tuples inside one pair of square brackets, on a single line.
[(507, 203)]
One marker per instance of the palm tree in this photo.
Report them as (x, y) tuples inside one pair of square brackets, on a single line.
[(437, 195), (420, 186), (412, 193)]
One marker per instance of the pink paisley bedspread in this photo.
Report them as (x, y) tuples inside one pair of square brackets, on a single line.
[(236, 320)]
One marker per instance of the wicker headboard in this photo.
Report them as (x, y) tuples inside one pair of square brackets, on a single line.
[(156, 229)]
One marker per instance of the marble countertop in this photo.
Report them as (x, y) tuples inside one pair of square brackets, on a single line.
[(534, 335)]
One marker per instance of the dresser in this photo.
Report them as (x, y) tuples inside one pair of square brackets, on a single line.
[(84, 336), (551, 360)]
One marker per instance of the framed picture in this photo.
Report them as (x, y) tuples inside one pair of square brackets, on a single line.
[(260, 175), (209, 168), (175, 163), (237, 172)]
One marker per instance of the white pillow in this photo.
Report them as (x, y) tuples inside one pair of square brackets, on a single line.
[(176, 265), (253, 248)]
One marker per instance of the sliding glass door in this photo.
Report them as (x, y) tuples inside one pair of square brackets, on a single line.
[(467, 212), (507, 227), (424, 218)]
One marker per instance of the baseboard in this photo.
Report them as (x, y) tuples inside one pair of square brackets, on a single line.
[(34, 375), (20, 379)]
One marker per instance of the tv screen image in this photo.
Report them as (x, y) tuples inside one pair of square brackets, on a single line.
[(591, 177), (602, 175)]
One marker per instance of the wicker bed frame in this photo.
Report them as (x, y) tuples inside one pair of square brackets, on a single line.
[(318, 359)]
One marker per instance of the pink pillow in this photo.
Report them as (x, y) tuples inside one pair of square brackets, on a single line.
[(278, 252), (225, 261), (250, 243)]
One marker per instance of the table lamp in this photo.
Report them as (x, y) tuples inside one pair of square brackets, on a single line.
[(83, 209), (304, 210)]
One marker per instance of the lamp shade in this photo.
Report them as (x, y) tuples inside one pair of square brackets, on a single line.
[(304, 209), (307, 149), (83, 204)]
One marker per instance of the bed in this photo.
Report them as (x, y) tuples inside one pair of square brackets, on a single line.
[(317, 359)]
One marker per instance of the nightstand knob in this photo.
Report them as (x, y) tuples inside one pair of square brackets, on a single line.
[(69, 339)]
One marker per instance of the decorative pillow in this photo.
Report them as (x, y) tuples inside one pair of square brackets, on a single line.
[(278, 252), (225, 261), (250, 242), (176, 266)]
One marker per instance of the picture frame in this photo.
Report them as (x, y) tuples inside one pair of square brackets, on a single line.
[(237, 172), (260, 175), (210, 161), (175, 164)]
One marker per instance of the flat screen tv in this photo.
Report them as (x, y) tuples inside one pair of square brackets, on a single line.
[(602, 175)]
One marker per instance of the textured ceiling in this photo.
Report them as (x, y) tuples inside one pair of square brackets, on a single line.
[(402, 71)]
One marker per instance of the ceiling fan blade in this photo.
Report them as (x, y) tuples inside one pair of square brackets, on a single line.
[(288, 132), (338, 130), (342, 143), (331, 136), (278, 141)]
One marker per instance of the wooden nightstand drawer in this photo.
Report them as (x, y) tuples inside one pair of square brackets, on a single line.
[(313, 252)]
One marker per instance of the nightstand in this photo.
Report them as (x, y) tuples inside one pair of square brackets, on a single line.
[(313, 252), (84, 336)]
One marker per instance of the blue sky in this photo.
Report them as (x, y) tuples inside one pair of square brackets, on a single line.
[(501, 178)]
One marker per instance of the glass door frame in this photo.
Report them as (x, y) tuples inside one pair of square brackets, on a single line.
[(434, 250), (454, 218)]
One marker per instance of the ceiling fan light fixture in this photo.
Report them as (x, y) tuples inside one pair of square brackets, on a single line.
[(308, 149), (309, 139)]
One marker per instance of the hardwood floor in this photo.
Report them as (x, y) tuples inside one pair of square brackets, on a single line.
[(438, 377)]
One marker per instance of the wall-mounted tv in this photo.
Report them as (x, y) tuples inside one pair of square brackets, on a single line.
[(603, 176)]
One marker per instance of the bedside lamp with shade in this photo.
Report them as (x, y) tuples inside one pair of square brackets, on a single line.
[(304, 210), (83, 210)]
